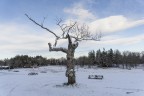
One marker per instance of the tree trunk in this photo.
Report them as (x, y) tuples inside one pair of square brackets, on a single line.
[(70, 72)]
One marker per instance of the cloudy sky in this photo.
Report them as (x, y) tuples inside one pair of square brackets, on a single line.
[(120, 21)]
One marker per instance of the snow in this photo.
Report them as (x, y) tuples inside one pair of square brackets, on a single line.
[(50, 79)]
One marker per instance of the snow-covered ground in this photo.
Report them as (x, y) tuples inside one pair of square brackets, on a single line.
[(116, 82)]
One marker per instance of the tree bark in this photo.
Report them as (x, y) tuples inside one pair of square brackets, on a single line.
[(70, 72)]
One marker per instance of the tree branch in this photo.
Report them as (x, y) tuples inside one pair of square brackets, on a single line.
[(71, 27), (57, 49), (43, 21), (64, 27), (69, 39), (61, 26), (82, 33), (41, 25), (73, 30)]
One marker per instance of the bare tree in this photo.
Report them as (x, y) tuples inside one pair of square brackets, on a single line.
[(69, 32)]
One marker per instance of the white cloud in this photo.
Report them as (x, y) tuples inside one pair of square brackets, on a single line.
[(17, 37), (79, 12), (113, 24), (114, 40)]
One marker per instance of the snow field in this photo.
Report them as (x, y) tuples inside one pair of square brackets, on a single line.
[(116, 82)]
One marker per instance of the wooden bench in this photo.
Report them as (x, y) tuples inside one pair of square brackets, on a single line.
[(95, 77)]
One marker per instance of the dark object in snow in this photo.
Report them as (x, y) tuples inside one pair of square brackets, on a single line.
[(95, 77), (16, 71), (129, 92), (32, 73), (6, 67), (43, 72)]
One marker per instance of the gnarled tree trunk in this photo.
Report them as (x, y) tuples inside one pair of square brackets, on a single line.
[(70, 72)]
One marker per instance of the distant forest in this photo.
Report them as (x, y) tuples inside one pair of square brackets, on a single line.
[(99, 58)]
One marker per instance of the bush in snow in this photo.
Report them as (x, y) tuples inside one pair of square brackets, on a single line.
[(43, 72), (32, 73), (16, 71)]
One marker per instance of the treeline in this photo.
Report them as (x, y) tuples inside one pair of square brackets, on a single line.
[(25, 61), (100, 58), (112, 58)]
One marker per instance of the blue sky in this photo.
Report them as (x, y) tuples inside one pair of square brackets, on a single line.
[(120, 21)]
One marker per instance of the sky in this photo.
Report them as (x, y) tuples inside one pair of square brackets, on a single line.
[(121, 23)]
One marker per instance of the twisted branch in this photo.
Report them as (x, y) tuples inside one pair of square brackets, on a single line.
[(41, 25), (57, 49)]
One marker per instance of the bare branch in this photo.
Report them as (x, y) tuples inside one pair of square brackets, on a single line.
[(43, 21), (64, 27), (57, 49), (69, 31), (71, 27), (82, 33), (41, 25), (56, 40), (61, 26), (69, 39)]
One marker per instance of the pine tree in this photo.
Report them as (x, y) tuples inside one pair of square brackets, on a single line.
[(98, 57), (110, 57), (91, 56), (104, 59)]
